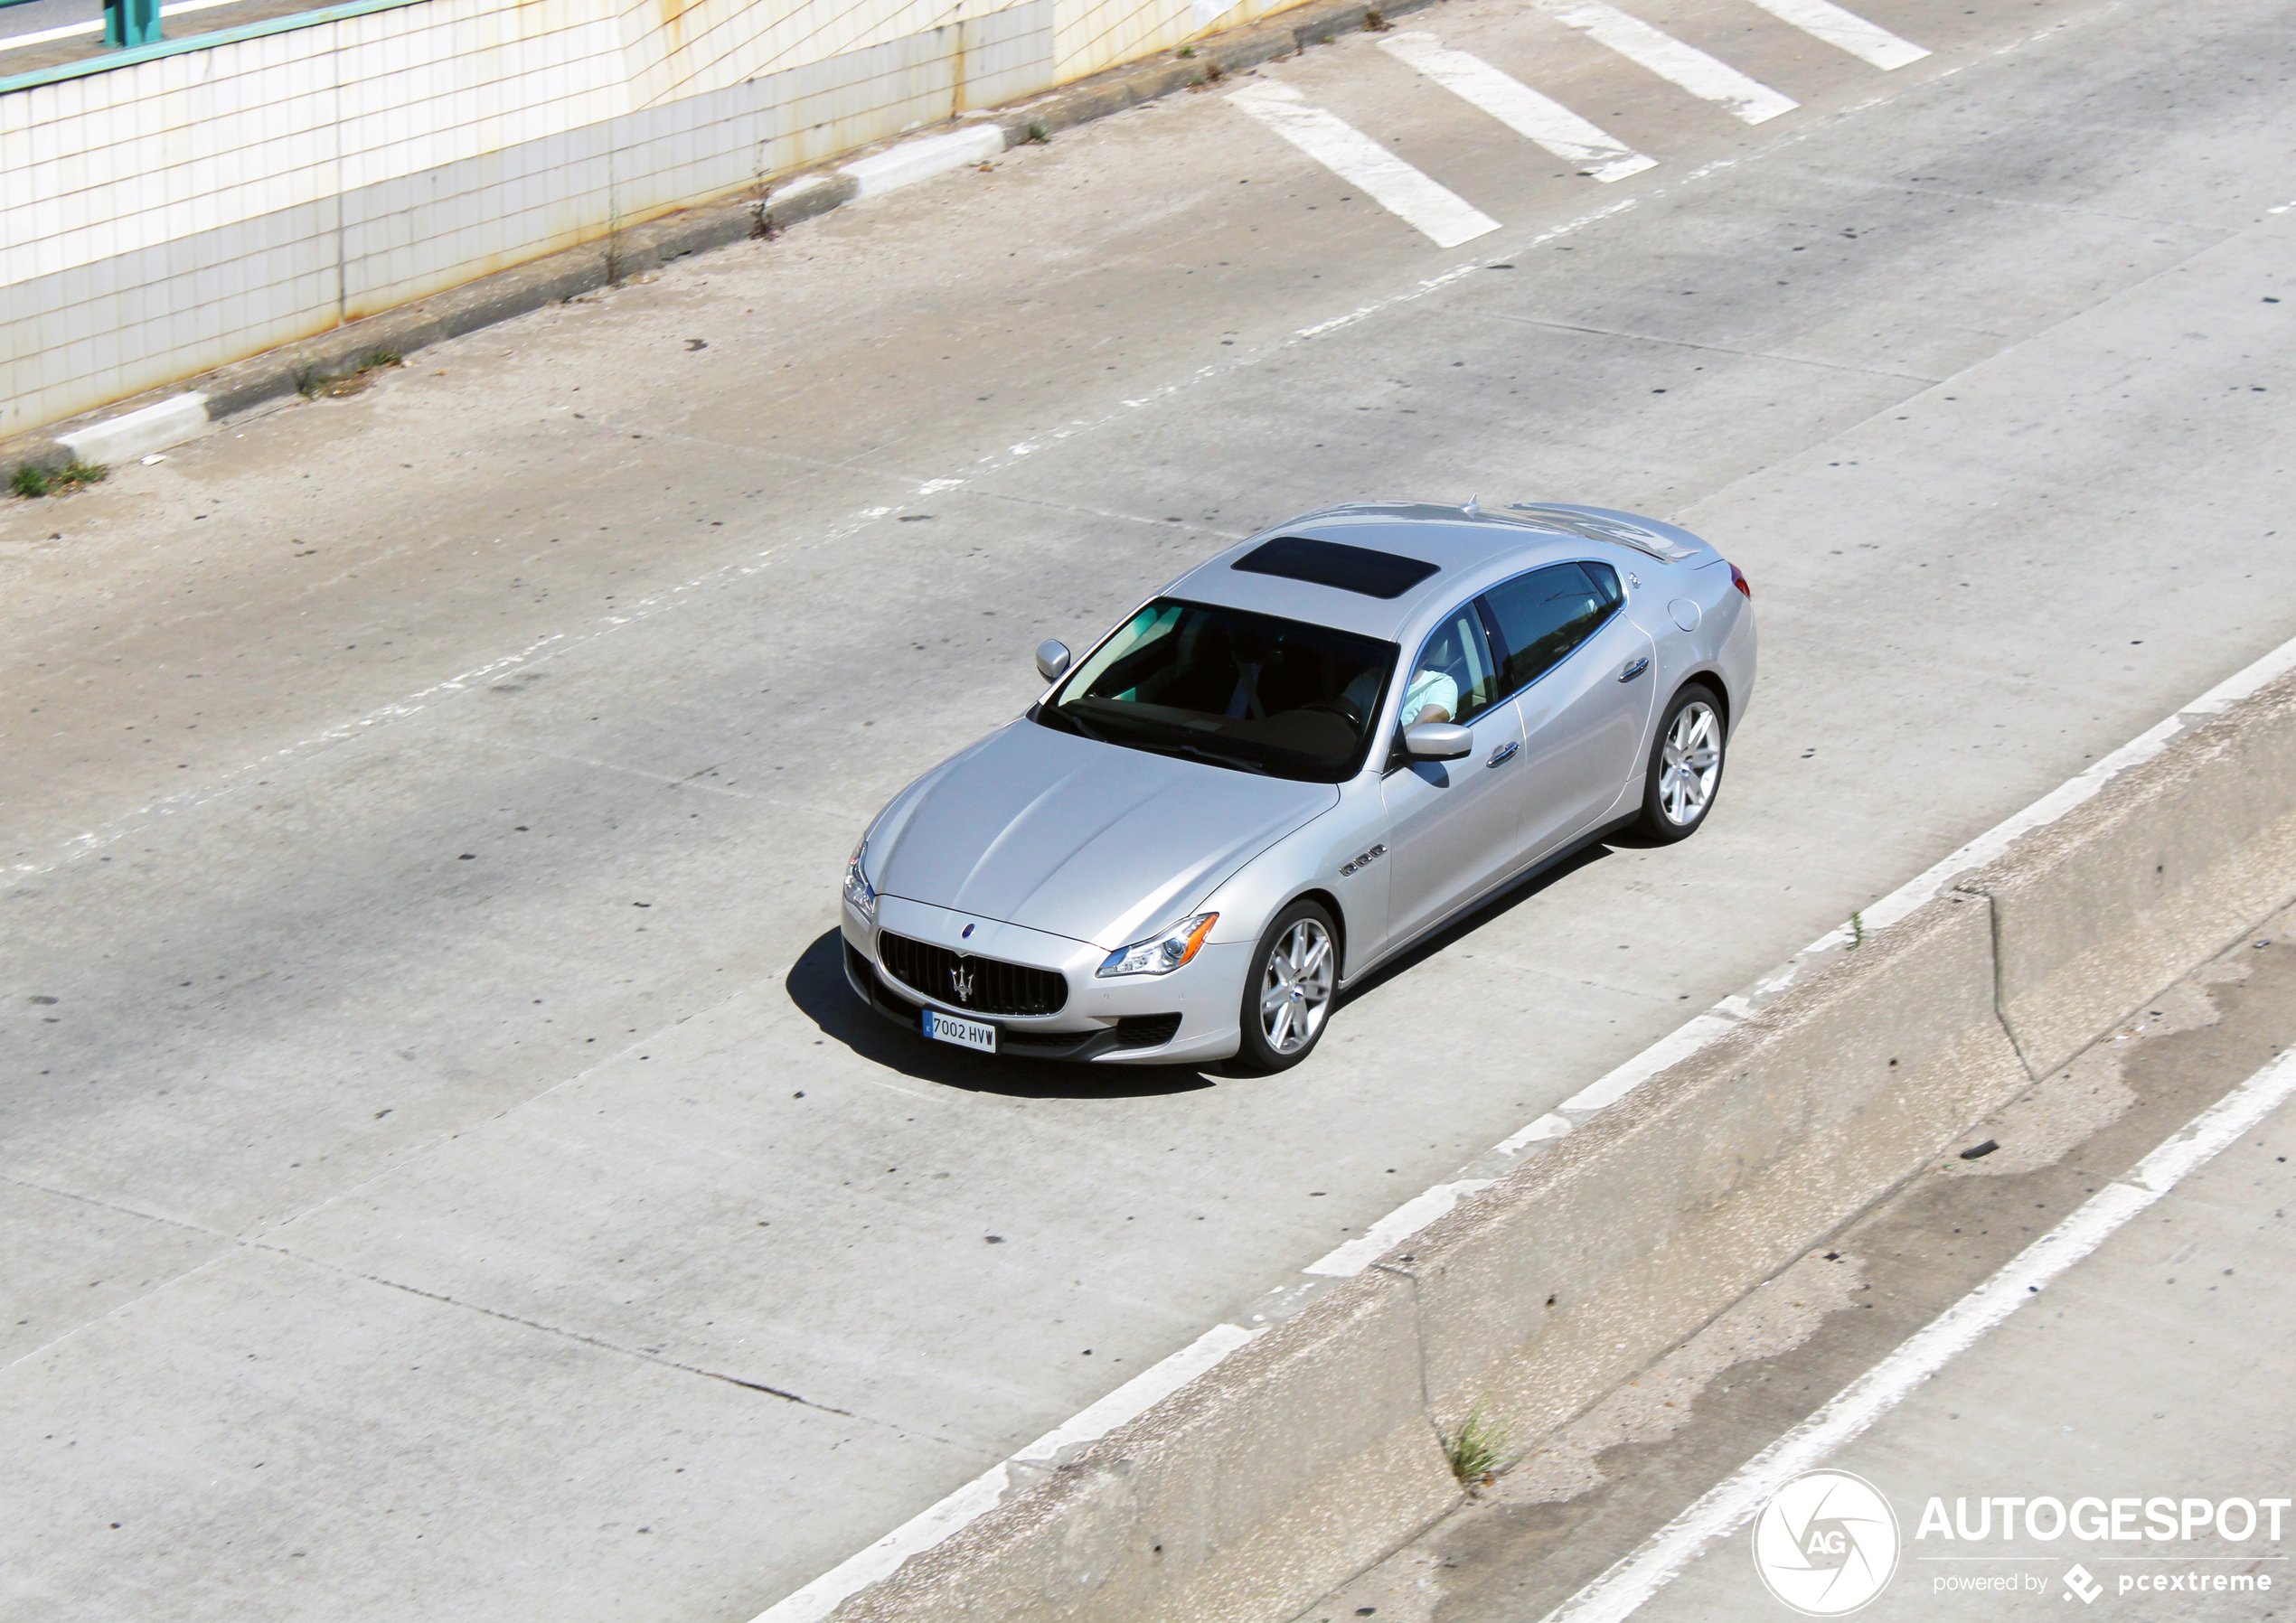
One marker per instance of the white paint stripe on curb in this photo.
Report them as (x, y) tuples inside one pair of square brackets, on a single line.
[(156, 427), (1823, 20), (1441, 214), (1516, 105), (1394, 1229), (913, 161), (1619, 1593), (1670, 58), (920, 1533)]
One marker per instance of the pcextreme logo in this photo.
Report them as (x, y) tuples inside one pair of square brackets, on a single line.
[(1826, 1543)]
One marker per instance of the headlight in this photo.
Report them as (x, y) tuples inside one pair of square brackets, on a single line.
[(1164, 953), (858, 891)]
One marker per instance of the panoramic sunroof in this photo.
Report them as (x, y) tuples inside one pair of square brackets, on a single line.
[(1330, 564)]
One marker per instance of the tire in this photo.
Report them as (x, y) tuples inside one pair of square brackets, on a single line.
[(1287, 1000), (1685, 773)]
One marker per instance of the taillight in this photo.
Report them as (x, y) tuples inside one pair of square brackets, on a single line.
[(1738, 581)]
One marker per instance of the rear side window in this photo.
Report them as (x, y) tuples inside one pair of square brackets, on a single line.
[(1544, 615)]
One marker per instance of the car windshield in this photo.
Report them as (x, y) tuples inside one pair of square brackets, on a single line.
[(1238, 689)]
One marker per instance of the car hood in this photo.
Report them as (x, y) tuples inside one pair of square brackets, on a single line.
[(1093, 842)]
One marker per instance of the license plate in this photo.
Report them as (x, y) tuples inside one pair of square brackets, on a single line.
[(965, 1033)]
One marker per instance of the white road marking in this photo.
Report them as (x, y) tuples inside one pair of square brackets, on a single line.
[(1619, 1593), (1394, 1229), (1669, 58), (1356, 158), (1518, 107), (1823, 20), (921, 1532), (1549, 1126)]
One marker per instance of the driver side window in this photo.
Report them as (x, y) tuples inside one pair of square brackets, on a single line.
[(1455, 675)]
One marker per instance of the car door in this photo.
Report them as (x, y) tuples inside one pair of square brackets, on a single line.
[(1578, 669), (1452, 826)]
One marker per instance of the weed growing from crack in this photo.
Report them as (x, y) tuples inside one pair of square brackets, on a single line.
[(1185, 51), (32, 481), (1039, 136), (1375, 22), (1478, 1450), (1857, 929)]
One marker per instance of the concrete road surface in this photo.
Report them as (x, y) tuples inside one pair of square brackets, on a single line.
[(444, 1173)]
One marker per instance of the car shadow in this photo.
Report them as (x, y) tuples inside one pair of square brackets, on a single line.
[(817, 984), (1498, 906)]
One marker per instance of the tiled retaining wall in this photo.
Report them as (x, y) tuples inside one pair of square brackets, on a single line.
[(171, 214)]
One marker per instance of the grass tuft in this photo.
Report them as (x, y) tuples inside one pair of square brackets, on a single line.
[(1039, 136), (32, 481), (1478, 1450), (1857, 929), (1375, 23)]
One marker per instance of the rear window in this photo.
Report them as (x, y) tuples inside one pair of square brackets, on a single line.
[(1332, 564)]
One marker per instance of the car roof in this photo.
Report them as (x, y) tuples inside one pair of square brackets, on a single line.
[(1471, 548)]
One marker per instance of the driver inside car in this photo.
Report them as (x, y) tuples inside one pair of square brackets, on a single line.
[(1432, 696)]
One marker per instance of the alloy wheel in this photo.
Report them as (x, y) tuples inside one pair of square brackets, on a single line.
[(1295, 987), (1689, 763)]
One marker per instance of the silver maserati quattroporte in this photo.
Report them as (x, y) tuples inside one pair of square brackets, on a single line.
[(1291, 764)]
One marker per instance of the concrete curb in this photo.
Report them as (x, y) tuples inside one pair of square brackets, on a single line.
[(1312, 1448), (554, 278)]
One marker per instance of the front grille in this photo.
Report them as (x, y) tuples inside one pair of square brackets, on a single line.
[(983, 985)]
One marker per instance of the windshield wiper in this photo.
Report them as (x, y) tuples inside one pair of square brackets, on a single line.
[(1078, 723), (1217, 757)]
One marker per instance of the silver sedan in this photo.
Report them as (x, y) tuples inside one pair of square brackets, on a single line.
[(1293, 763)]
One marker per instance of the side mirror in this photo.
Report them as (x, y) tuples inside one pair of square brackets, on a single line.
[(1052, 661), (1437, 741)]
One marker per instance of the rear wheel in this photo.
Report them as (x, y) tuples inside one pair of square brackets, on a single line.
[(1686, 765), (1295, 971)]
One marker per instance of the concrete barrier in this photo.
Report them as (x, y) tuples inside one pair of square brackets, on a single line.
[(1543, 1292), (1316, 1448), (2159, 870)]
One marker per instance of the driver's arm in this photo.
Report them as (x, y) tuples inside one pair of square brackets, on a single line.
[(1431, 697)]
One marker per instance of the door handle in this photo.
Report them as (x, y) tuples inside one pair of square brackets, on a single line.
[(1503, 753), (1634, 667)]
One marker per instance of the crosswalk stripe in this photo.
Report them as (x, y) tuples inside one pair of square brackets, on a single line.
[(1845, 29), (1669, 58), (1352, 156), (1518, 107)]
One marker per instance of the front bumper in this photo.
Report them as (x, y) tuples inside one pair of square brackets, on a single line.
[(1187, 1016)]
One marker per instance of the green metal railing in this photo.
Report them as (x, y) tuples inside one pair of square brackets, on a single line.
[(126, 22)]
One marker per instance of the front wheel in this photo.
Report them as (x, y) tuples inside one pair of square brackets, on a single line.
[(1295, 973), (1686, 765)]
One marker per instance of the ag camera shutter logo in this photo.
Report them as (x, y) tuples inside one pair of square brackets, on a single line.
[(1826, 1543)]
